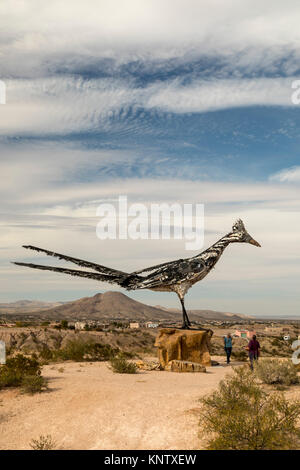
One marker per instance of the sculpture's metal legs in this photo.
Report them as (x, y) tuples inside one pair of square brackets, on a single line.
[(185, 319)]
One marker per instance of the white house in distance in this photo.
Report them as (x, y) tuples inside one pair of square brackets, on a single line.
[(80, 325), (151, 324), (134, 325)]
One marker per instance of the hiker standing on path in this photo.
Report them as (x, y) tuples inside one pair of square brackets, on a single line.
[(228, 346), (253, 348)]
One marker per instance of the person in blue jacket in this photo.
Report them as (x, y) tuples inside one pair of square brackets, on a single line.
[(228, 346)]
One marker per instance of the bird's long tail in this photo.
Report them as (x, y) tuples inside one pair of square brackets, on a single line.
[(103, 273)]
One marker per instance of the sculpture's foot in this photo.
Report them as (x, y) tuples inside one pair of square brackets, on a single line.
[(185, 326)]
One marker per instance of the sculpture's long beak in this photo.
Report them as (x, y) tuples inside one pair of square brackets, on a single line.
[(254, 242)]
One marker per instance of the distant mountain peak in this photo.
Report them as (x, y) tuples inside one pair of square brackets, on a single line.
[(111, 305)]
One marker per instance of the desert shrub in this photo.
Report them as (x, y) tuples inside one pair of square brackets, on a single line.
[(240, 415), (34, 384), (21, 324), (277, 342), (73, 351), (78, 350), (240, 355), (16, 368), (271, 371), (120, 365), (100, 352), (46, 354), (43, 443)]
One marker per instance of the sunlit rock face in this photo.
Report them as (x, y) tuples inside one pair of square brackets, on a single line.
[(183, 345)]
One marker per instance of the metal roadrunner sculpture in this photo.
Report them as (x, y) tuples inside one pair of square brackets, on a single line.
[(174, 276)]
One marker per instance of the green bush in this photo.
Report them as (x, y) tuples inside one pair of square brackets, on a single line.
[(78, 350), (73, 351), (33, 384), (239, 415), (100, 352), (272, 371), (21, 324), (120, 365), (46, 354), (16, 368)]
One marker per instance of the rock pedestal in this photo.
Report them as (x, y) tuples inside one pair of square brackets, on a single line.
[(189, 346), (184, 366)]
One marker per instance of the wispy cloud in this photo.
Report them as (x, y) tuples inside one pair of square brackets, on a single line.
[(161, 100), (66, 105), (287, 175), (38, 39)]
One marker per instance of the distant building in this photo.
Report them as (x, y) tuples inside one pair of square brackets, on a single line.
[(150, 324), (244, 333), (134, 325), (92, 324)]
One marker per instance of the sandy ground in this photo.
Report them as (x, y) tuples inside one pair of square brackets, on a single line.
[(89, 407)]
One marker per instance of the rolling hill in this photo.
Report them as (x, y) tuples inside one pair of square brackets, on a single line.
[(26, 306), (109, 305), (112, 305)]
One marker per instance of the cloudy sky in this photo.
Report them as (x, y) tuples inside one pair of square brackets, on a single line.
[(163, 101)]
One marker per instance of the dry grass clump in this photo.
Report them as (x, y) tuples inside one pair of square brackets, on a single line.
[(120, 365), (43, 443)]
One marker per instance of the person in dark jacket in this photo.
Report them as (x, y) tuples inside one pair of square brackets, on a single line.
[(253, 348), (228, 346)]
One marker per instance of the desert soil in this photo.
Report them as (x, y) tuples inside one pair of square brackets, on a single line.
[(89, 407)]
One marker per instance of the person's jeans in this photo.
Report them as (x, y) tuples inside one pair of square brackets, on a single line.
[(228, 354), (253, 356)]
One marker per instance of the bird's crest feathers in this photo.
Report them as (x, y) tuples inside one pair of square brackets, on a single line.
[(238, 226)]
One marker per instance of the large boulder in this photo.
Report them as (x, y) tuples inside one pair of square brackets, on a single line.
[(191, 346)]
